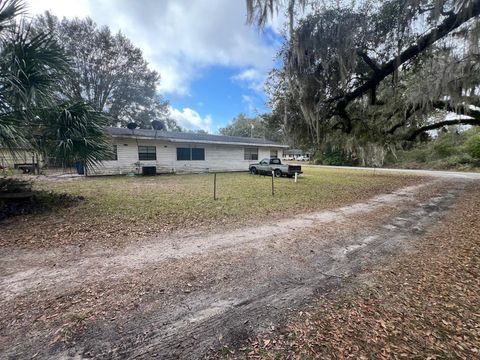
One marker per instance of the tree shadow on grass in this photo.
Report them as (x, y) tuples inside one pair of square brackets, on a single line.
[(18, 198)]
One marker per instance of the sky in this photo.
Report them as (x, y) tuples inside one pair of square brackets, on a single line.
[(212, 64)]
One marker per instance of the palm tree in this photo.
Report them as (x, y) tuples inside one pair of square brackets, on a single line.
[(32, 113), (10, 137)]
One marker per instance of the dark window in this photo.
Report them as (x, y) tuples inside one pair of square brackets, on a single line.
[(275, 161), (250, 154), (274, 153), (198, 154), (184, 154), (113, 155), (147, 153)]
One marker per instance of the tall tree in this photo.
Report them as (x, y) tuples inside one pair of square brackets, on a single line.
[(109, 72), (257, 127), (32, 114), (375, 71)]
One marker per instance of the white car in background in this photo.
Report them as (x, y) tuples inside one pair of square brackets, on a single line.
[(303, 158)]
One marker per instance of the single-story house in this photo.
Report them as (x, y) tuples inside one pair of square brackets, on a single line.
[(141, 151)]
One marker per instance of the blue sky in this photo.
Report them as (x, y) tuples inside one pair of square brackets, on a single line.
[(216, 93), (213, 65)]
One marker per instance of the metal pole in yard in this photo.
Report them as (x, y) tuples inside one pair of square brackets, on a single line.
[(215, 186), (273, 186), (296, 176), (38, 164)]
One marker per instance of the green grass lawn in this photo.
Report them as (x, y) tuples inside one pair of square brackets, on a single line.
[(123, 206)]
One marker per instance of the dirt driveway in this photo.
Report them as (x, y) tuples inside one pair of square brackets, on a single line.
[(178, 296)]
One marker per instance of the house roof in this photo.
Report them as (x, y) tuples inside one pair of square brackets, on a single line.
[(189, 137)]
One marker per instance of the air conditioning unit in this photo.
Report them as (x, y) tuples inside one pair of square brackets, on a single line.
[(149, 170)]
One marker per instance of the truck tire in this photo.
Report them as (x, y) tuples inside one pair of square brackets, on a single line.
[(253, 170), (278, 173)]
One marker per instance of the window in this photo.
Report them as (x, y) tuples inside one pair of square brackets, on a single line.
[(113, 155), (185, 154), (250, 154), (198, 154), (147, 153), (275, 161), (273, 154)]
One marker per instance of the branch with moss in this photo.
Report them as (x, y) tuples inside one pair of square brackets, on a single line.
[(474, 119), (451, 22)]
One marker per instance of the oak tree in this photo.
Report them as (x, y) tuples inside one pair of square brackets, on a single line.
[(108, 71)]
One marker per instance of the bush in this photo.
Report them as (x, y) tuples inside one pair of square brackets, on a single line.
[(452, 161), (444, 147), (418, 155), (333, 159), (317, 158), (9, 185), (472, 146)]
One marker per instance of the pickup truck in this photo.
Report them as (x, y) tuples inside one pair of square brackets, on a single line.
[(266, 166)]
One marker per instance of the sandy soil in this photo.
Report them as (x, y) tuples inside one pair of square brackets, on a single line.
[(178, 296)]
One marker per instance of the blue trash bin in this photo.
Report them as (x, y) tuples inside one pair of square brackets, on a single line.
[(80, 168)]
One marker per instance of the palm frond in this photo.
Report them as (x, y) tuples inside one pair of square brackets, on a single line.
[(76, 132), (31, 65), (9, 10), (11, 137)]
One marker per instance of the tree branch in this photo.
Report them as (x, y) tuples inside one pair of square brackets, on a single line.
[(396, 126), (442, 105), (411, 110), (369, 61), (450, 23), (459, 110), (416, 132)]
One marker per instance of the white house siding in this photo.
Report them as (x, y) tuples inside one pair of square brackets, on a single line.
[(8, 159), (217, 157)]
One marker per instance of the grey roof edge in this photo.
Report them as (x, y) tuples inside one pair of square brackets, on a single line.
[(191, 137)]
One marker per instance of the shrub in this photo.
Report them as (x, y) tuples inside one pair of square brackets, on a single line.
[(455, 160), (9, 185), (419, 155), (444, 147), (333, 159), (472, 146)]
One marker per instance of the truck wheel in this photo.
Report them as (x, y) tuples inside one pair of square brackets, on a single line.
[(253, 171), (278, 173)]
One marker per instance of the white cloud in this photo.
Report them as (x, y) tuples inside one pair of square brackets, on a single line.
[(179, 38), (278, 23), (250, 102), (253, 78), (190, 119), (60, 8)]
